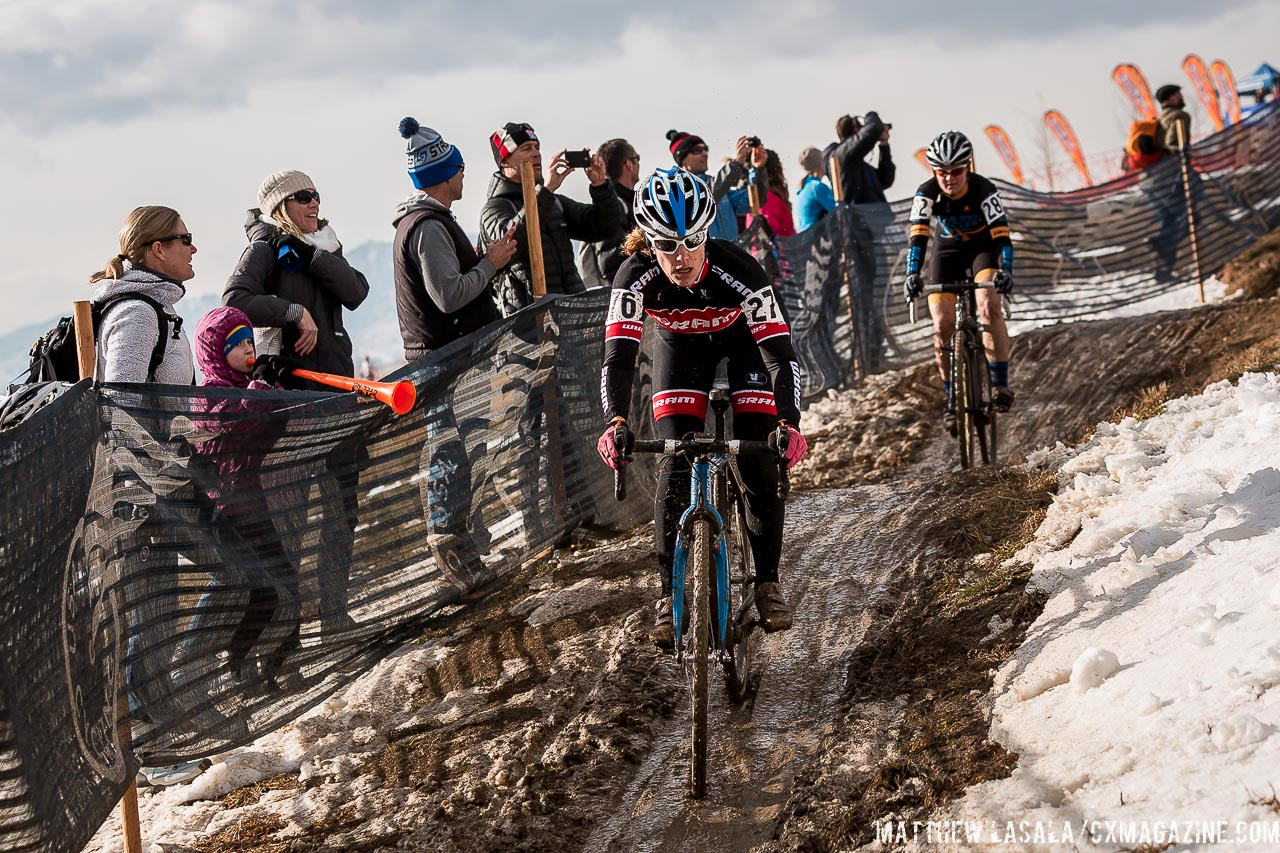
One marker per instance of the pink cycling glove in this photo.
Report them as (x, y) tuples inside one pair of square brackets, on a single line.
[(797, 447), (608, 449)]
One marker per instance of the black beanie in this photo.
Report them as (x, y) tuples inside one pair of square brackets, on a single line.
[(682, 143), (1166, 92)]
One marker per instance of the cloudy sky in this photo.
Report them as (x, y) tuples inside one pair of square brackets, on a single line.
[(106, 104)]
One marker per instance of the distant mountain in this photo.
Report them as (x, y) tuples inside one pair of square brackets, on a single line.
[(374, 328)]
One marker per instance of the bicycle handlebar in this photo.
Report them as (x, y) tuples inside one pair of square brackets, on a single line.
[(699, 445), (957, 286)]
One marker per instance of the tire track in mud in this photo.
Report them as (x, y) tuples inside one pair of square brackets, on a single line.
[(835, 571)]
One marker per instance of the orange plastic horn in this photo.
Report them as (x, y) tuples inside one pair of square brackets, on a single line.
[(400, 396)]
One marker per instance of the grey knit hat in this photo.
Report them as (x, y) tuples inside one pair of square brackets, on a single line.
[(278, 186)]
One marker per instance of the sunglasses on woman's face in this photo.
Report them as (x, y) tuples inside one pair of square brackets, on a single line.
[(951, 173), (669, 246), (305, 196), (185, 238)]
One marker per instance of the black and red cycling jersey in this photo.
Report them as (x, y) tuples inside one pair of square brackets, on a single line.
[(975, 220), (733, 307)]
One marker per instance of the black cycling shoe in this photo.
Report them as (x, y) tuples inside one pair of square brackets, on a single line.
[(775, 615), (663, 632), (1001, 398), (949, 421)]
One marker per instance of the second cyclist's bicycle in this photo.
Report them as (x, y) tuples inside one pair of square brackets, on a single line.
[(976, 434), (713, 576)]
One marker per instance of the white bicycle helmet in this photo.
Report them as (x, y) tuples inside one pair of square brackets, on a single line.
[(949, 150), (674, 203), (26, 400)]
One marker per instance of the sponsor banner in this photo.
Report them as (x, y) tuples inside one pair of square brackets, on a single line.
[(1134, 85), (1061, 128), (1228, 98), (1004, 147), (1198, 74)]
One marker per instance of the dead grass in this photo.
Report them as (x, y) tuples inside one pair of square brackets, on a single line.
[(1256, 272), (251, 794)]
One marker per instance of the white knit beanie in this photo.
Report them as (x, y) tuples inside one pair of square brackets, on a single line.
[(278, 186)]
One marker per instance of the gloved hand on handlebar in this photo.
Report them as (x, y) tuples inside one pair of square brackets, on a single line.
[(1003, 282), (608, 446), (912, 287), (796, 447)]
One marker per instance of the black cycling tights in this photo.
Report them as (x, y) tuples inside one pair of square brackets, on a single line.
[(691, 373)]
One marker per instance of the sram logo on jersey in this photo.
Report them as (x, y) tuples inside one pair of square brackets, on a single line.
[(695, 319), (626, 316)]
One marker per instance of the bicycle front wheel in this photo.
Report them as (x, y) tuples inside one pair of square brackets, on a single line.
[(962, 395), (737, 660), (699, 606), (985, 420)]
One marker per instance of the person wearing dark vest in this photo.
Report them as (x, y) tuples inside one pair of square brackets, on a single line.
[(443, 293), (443, 286)]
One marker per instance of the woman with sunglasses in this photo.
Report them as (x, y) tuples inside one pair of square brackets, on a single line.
[(709, 300), (292, 281), (973, 236), (154, 260)]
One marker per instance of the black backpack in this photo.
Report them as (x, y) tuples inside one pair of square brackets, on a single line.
[(53, 356)]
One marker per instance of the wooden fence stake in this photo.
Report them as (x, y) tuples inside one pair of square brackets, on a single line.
[(1184, 155), (532, 229), (130, 826)]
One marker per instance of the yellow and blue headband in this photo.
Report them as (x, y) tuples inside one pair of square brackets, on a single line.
[(234, 337)]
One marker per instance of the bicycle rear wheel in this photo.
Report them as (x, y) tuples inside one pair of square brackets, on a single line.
[(738, 637), (699, 606), (961, 395)]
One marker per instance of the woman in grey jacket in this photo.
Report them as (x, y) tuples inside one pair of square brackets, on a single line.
[(292, 280), (154, 260)]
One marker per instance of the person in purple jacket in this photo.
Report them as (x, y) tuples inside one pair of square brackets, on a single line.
[(243, 431)]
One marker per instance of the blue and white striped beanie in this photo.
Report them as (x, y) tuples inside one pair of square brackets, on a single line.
[(431, 160)]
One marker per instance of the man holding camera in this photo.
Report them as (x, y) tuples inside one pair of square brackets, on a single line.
[(860, 182), (599, 261), (746, 167), (560, 219)]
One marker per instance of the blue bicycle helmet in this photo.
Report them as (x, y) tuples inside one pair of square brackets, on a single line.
[(674, 203)]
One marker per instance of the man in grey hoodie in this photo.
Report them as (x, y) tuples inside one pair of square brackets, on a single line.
[(443, 292), (442, 284)]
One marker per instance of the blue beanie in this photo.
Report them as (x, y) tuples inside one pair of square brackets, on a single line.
[(431, 160)]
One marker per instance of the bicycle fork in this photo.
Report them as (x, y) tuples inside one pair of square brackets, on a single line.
[(700, 504)]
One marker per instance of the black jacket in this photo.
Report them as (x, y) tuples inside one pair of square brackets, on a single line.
[(561, 220), (264, 290), (860, 183), (599, 261)]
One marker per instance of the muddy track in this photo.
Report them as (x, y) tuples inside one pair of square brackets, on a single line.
[(541, 718)]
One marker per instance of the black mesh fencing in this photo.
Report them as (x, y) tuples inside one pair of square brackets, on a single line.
[(186, 569), (1077, 254)]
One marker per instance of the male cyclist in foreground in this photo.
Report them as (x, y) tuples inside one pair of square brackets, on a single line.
[(973, 235), (710, 300)]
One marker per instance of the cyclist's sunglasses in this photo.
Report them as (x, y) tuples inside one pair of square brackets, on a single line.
[(185, 238), (669, 246), (305, 196), (952, 173)]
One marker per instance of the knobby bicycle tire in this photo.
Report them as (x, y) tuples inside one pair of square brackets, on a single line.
[(960, 395), (699, 606), (982, 388), (978, 396), (737, 661)]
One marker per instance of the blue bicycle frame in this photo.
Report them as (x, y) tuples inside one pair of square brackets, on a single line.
[(702, 506)]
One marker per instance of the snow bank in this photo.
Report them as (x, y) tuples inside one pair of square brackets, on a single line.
[(1145, 692)]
